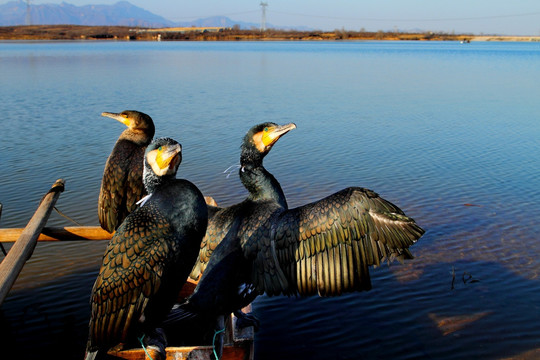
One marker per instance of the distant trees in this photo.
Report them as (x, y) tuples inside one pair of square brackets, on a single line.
[(66, 32)]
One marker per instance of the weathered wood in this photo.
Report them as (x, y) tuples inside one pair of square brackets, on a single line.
[(187, 289), (23, 248), (188, 352), (2, 246), (67, 233), (238, 344)]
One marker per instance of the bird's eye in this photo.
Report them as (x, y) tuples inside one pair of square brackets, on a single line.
[(265, 129), (160, 148)]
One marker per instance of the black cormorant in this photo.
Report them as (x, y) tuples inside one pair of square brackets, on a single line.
[(261, 246), (122, 185), (149, 256)]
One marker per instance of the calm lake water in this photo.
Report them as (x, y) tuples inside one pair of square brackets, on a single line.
[(434, 127)]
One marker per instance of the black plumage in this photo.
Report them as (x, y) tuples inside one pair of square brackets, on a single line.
[(149, 256), (261, 246), (122, 185)]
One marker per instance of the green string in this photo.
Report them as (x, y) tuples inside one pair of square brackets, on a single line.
[(144, 347), (214, 342)]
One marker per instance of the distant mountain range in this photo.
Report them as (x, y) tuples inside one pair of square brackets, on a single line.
[(122, 13)]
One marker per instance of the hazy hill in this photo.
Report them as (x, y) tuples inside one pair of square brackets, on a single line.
[(219, 21), (122, 13)]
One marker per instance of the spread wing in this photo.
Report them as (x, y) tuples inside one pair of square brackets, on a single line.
[(130, 276), (122, 184), (326, 247)]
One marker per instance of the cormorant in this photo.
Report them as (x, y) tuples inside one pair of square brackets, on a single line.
[(149, 256), (261, 246), (122, 185)]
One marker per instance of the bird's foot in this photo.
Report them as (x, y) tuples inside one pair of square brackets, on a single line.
[(155, 343), (219, 339), (153, 353), (244, 320)]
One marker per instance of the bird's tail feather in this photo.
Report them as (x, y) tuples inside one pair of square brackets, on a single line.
[(181, 314)]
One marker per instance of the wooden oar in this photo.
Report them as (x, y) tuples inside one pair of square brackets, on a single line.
[(23, 248), (67, 233), (2, 246)]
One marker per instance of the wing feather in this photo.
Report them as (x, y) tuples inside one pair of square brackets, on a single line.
[(121, 185), (127, 279), (327, 246)]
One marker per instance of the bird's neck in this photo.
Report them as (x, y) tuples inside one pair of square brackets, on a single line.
[(261, 184), (152, 181), (138, 137)]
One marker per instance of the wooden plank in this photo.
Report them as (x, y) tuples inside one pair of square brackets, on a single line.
[(2, 246), (23, 248), (187, 289), (67, 233), (238, 345), (186, 352)]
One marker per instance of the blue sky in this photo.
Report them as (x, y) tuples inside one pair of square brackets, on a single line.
[(516, 17)]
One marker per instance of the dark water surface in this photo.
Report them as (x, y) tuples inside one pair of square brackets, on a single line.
[(433, 127)]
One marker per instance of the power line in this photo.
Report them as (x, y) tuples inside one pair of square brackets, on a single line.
[(408, 20), (263, 23)]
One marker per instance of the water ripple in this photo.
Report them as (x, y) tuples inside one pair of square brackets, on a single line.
[(446, 132)]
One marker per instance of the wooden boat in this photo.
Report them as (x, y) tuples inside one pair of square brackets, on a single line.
[(238, 343)]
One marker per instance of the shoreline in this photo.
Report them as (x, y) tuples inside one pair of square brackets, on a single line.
[(124, 33)]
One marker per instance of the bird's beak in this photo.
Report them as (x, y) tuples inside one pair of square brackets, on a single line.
[(271, 135), (168, 156), (120, 117)]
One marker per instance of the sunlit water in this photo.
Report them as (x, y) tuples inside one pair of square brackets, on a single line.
[(433, 127)]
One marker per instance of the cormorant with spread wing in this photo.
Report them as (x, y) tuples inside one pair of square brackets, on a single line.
[(122, 185), (149, 256), (261, 246)]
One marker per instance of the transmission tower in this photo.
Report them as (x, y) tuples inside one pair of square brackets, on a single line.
[(28, 19), (263, 19)]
